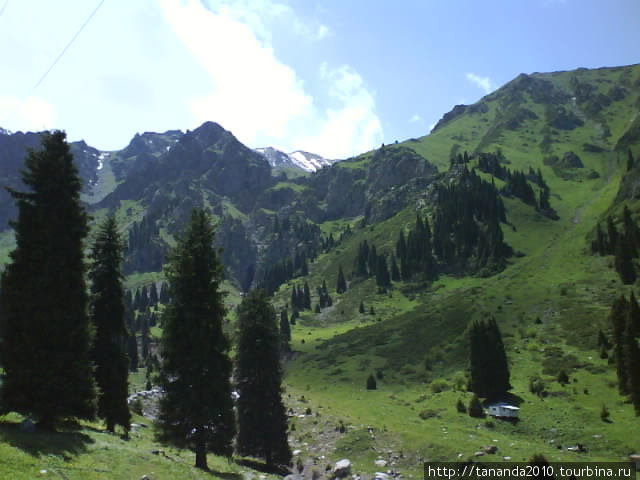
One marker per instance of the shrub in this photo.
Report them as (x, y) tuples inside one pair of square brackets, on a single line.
[(563, 378), (475, 407), (604, 413), (537, 386), (439, 385), (427, 414), (371, 383), (460, 406)]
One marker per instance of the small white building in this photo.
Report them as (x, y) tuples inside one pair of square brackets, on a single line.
[(503, 410)]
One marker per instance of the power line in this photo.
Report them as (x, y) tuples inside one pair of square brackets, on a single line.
[(57, 59), (64, 50)]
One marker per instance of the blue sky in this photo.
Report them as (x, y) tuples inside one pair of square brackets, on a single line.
[(334, 77)]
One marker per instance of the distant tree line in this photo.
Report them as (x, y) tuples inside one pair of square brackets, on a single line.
[(624, 245), (625, 327)]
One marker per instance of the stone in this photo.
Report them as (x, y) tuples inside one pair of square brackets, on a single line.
[(479, 454), (342, 468), (296, 452), (490, 449), (380, 463), (381, 476)]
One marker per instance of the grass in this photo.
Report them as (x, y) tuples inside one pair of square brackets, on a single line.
[(85, 451)]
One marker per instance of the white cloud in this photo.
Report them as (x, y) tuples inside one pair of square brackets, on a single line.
[(259, 98), (33, 113), (415, 118), (482, 82)]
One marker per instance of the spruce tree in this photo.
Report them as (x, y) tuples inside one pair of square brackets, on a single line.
[(109, 352), (48, 372), (197, 409), (262, 420), (488, 360), (341, 283), (285, 330)]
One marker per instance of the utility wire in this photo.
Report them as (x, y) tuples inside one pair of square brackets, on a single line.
[(64, 50), (58, 58)]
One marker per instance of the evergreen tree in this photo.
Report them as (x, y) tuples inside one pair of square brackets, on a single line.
[(395, 271), (624, 261), (262, 420), (109, 352), (629, 160), (341, 283), (361, 307), (307, 296), (197, 410), (132, 351), (618, 318), (48, 372), (371, 382), (285, 330), (475, 407), (488, 360)]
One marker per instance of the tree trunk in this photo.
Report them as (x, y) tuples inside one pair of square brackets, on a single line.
[(201, 450)]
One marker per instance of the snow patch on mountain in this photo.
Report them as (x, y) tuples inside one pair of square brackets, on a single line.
[(309, 162)]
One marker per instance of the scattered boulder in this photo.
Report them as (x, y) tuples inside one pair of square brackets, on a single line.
[(490, 449), (380, 463), (342, 468), (381, 476), (479, 454)]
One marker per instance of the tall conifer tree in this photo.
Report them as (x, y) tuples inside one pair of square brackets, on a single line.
[(197, 410), (48, 372), (109, 351), (262, 420)]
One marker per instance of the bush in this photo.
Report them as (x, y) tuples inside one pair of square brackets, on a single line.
[(427, 414), (460, 406), (604, 414), (489, 424), (371, 383), (439, 385), (563, 378), (475, 407), (537, 386)]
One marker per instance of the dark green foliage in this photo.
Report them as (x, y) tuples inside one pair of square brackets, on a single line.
[(624, 262), (629, 160), (48, 372), (383, 279), (341, 283), (625, 321), (262, 420), (371, 383), (132, 352), (145, 250), (604, 413), (197, 410), (109, 352), (488, 360), (466, 225), (460, 406), (563, 378), (395, 271), (537, 386), (361, 307), (372, 310), (307, 296), (475, 407), (285, 331)]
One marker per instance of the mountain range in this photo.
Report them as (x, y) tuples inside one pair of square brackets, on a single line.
[(512, 189)]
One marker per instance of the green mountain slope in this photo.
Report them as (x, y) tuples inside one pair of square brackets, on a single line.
[(565, 135)]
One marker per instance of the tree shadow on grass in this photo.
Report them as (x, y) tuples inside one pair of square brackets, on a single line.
[(262, 467), (63, 443), (225, 475)]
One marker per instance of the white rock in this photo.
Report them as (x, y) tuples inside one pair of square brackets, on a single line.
[(381, 476), (342, 468), (380, 463)]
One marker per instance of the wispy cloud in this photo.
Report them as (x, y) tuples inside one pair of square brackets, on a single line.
[(415, 118), (261, 99), (482, 82)]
